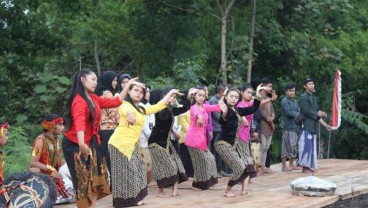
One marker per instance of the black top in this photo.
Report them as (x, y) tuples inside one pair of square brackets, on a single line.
[(229, 125), (163, 123)]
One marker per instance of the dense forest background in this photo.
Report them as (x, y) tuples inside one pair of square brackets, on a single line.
[(182, 43)]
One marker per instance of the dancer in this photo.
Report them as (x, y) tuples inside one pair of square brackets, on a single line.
[(220, 165), (233, 147), (167, 167), (204, 164), (184, 121), (81, 142), (106, 88), (128, 171)]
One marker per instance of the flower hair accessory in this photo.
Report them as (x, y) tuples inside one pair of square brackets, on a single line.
[(51, 125)]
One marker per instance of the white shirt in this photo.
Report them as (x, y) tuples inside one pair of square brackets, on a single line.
[(147, 128)]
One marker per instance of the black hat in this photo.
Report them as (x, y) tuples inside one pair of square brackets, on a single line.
[(307, 81)]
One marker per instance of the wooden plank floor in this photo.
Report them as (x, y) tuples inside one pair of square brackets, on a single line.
[(351, 177)]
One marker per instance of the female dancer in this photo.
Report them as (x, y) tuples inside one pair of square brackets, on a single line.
[(204, 164), (128, 171), (167, 167), (106, 88), (81, 143), (233, 150)]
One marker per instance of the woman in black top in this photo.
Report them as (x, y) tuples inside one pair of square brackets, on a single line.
[(167, 167), (231, 149)]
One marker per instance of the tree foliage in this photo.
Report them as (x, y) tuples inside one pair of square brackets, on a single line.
[(178, 43)]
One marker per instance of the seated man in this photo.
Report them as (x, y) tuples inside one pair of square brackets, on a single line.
[(47, 155)]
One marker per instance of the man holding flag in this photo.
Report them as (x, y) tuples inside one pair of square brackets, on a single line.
[(308, 138)]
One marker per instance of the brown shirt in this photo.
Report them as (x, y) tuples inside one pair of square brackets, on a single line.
[(267, 112)]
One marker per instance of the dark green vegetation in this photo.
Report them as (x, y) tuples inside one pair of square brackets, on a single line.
[(43, 43)]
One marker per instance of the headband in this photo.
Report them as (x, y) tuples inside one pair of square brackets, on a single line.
[(4, 125), (51, 125)]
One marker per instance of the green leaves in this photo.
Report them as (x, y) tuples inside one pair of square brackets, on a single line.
[(40, 89), (357, 119), (63, 80), (21, 118), (18, 151)]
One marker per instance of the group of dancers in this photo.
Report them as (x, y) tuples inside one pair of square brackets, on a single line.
[(116, 127), (86, 147)]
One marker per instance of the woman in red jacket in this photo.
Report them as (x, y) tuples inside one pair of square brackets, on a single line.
[(81, 143)]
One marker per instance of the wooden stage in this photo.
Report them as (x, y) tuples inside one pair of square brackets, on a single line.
[(350, 176)]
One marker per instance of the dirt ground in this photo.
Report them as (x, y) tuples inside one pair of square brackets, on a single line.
[(358, 202)]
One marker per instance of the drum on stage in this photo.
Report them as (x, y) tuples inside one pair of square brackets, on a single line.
[(28, 189)]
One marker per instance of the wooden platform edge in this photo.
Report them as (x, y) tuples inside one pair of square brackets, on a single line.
[(356, 193)]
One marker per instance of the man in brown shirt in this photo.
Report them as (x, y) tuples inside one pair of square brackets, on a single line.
[(267, 125)]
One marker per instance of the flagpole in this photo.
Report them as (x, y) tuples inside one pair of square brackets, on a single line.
[(319, 142), (329, 142)]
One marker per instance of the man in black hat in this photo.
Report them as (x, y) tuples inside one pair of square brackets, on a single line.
[(312, 115)]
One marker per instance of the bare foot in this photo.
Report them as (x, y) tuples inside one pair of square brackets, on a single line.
[(286, 169), (140, 203), (295, 168), (196, 189), (229, 194), (260, 172), (307, 170), (175, 194), (268, 171), (162, 195), (244, 192)]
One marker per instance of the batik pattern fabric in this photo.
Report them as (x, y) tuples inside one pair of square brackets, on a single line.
[(167, 167), (289, 147), (109, 116), (308, 150), (238, 158), (146, 156), (129, 180), (28, 189), (89, 176), (204, 166)]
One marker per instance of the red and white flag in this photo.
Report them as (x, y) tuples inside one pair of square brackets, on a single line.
[(336, 102)]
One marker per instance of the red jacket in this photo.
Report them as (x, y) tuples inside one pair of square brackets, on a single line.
[(80, 117)]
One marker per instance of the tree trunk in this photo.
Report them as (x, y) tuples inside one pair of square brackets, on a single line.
[(97, 58), (223, 50), (225, 14), (251, 39)]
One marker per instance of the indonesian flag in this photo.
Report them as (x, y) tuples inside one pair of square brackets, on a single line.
[(336, 103)]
